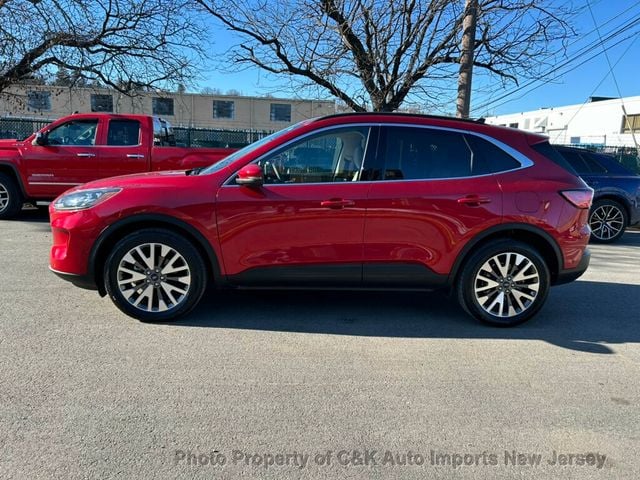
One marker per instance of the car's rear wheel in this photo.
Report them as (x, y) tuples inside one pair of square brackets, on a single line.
[(155, 275), (608, 221), (504, 283), (10, 197)]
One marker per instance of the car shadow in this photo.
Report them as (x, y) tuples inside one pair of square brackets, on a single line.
[(583, 316)]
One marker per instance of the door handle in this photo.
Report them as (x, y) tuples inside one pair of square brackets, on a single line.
[(85, 155), (337, 203), (473, 200), (135, 155)]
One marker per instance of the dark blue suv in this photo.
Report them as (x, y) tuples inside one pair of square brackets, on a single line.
[(616, 202)]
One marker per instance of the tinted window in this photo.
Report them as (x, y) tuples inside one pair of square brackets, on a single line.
[(223, 109), (101, 103), (489, 158), (162, 106), (611, 164), (575, 160), (38, 100), (123, 132), (592, 163), (280, 112), (546, 150), (76, 132), (422, 153), (335, 156)]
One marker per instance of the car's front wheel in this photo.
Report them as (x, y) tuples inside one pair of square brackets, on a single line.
[(504, 283), (608, 221), (155, 275)]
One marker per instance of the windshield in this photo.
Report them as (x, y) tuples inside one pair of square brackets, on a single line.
[(216, 167)]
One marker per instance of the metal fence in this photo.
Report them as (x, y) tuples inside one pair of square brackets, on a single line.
[(206, 137), (21, 128), (627, 156)]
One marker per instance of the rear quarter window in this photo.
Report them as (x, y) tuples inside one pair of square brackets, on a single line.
[(546, 150), (489, 158)]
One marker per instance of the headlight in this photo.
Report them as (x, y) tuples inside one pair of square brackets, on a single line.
[(83, 199)]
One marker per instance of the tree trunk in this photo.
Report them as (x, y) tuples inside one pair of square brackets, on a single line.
[(466, 59)]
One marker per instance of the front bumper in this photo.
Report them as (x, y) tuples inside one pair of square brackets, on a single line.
[(569, 275)]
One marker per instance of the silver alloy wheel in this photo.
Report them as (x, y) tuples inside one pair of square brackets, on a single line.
[(154, 277), (606, 222), (4, 197), (506, 285)]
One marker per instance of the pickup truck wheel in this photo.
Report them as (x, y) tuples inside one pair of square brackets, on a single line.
[(608, 221), (155, 275), (10, 197), (504, 283)]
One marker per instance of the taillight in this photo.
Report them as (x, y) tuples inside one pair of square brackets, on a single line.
[(580, 198)]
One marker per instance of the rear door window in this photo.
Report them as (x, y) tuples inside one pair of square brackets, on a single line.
[(123, 133), (412, 153)]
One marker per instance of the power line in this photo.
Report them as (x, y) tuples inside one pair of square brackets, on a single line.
[(585, 50), (546, 74), (615, 80)]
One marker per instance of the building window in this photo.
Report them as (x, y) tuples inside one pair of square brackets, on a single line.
[(162, 106), (101, 103), (39, 100), (223, 109), (280, 112), (630, 123)]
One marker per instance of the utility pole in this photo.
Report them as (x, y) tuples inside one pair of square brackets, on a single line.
[(466, 58)]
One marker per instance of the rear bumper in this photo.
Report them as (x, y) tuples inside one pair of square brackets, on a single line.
[(569, 275), (82, 281)]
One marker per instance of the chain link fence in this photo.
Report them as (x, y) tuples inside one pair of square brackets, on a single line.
[(206, 137), (627, 156), (21, 128)]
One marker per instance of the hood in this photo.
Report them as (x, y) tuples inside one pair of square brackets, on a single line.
[(9, 144), (137, 180)]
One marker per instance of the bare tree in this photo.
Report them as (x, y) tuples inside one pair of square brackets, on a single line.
[(124, 44), (374, 54)]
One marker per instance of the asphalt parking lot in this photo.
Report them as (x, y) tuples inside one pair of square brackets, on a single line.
[(316, 385)]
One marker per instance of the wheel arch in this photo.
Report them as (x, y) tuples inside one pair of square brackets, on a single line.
[(11, 170), (621, 199), (117, 231), (536, 237)]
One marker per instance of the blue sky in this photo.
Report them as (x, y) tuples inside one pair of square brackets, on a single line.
[(574, 83)]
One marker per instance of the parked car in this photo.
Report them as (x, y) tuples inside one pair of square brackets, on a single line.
[(616, 203), (380, 201), (80, 148)]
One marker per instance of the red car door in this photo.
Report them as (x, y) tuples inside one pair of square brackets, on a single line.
[(434, 193), (122, 149), (69, 158), (304, 226)]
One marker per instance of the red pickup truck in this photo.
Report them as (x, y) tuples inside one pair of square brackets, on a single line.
[(84, 147)]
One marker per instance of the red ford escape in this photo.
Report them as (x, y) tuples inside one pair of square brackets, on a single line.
[(380, 201)]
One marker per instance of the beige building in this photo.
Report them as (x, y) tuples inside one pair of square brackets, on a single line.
[(181, 109)]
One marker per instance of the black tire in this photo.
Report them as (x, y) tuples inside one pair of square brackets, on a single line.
[(512, 290), (608, 220), (10, 197), (150, 309)]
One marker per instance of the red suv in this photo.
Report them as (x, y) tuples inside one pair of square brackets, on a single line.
[(379, 201)]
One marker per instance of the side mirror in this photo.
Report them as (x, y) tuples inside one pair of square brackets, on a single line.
[(250, 175), (40, 139)]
